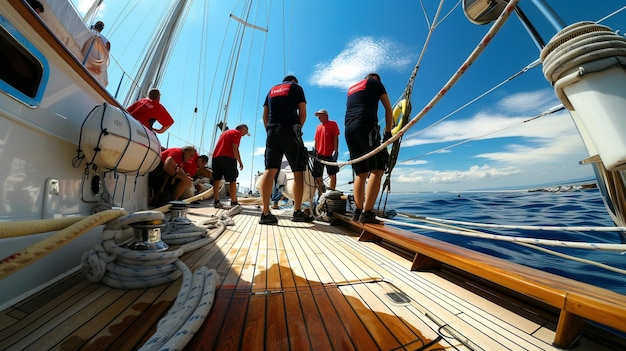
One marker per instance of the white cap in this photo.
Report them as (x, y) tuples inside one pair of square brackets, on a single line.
[(321, 112)]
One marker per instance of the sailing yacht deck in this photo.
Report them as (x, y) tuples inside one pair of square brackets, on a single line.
[(293, 286)]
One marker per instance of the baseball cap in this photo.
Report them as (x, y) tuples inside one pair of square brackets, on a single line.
[(321, 112)]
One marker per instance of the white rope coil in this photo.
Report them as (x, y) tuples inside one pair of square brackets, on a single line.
[(123, 268), (189, 311)]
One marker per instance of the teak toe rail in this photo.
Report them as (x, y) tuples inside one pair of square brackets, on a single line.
[(577, 301)]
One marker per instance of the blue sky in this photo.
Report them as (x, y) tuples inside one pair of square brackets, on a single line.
[(329, 45)]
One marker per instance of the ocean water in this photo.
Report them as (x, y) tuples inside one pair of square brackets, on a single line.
[(576, 208)]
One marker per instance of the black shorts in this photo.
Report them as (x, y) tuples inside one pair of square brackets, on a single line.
[(226, 167), (318, 167), (284, 142), (361, 141)]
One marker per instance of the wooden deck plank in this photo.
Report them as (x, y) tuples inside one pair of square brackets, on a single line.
[(359, 335), (249, 269), (112, 312), (140, 320), (302, 263), (232, 327), (272, 273), (206, 338), (338, 337), (276, 334), (303, 332), (51, 319), (29, 320), (439, 300), (443, 293), (288, 267), (74, 322), (253, 337)]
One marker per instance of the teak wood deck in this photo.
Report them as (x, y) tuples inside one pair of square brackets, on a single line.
[(296, 286)]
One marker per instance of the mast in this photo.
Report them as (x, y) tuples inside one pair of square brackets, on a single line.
[(152, 68)]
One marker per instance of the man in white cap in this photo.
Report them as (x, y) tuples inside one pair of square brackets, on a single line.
[(326, 148)]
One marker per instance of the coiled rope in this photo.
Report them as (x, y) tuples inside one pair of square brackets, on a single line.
[(123, 268), (583, 43), (192, 306)]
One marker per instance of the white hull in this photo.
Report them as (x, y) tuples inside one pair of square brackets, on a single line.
[(40, 177)]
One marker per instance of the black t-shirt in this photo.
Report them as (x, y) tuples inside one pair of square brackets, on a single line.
[(362, 105), (283, 100)]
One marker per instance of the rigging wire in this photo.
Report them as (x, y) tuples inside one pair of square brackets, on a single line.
[(258, 95), (477, 234), (213, 83), (200, 73), (545, 113), (489, 91), (440, 226), (395, 149), (516, 227), (523, 70), (487, 38)]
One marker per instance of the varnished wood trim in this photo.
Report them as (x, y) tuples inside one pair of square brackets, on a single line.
[(567, 329)]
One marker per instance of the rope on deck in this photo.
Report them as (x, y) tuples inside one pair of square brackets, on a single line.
[(34, 252)]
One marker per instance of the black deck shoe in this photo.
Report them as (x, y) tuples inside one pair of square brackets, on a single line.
[(268, 219), (299, 216), (368, 217), (356, 214)]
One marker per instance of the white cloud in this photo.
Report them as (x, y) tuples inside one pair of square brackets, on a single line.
[(528, 102), (84, 5), (259, 151), (430, 176), (361, 56)]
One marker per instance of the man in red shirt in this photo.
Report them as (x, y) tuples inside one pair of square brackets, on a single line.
[(149, 110), (191, 167), (326, 149), (225, 158), (170, 180)]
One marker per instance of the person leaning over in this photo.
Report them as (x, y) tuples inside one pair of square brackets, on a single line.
[(225, 158), (169, 180), (284, 114), (362, 136), (326, 148), (191, 167), (149, 110)]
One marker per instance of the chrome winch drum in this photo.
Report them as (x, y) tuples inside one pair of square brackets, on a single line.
[(147, 236)]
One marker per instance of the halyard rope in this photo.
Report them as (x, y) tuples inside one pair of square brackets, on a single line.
[(27, 256), (497, 25)]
